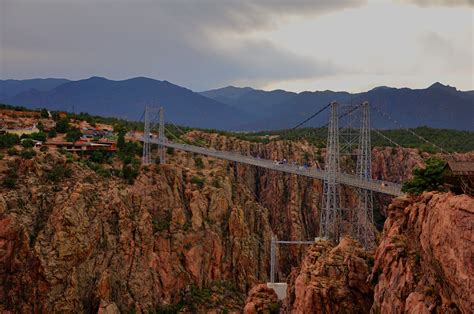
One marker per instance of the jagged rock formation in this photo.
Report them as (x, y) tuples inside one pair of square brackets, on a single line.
[(331, 280), (181, 232), (85, 241), (424, 263), (261, 299)]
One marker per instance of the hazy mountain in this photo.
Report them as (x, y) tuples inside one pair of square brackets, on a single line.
[(128, 98), (245, 108), (253, 101), (10, 88), (437, 106)]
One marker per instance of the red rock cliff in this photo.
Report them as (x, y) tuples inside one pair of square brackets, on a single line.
[(424, 263)]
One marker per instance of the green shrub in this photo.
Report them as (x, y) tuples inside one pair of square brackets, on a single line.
[(103, 172), (44, 148), (170, 151), (162, 223), (12, 151), (121, 139), (198, 181), (27, 143), (44, 113), (73, 134), (98, 156), (129, 173), (198, 162), (38, 136), (58, 172), (8, 140), (9, 182), (216, 183), (1, 156), (429, 178), (27, 154), (52, 133), (12, 175), (62, 126)]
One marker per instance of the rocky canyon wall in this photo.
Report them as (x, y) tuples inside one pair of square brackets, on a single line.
[(188, 232), (423, 264)]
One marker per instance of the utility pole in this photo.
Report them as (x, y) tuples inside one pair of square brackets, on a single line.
[(364, 216), (331, 209)]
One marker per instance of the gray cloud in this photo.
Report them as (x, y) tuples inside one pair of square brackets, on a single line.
[(181, 41), (448, 3)]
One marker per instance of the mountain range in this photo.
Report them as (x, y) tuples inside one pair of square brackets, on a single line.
[(241, 108)]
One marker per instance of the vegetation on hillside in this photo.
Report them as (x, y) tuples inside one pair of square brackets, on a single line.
[(429, 178), (449, 140)]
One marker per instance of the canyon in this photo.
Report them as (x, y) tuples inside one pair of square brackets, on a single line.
[(194, 234)]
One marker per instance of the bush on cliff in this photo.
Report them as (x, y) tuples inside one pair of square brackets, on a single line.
[(27, 153), (198, 181), (58, 172), (11, 177), (429, 178), (8, 140), (129, 173)]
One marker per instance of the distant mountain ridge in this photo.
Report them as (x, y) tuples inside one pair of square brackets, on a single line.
[(128, 98), (242, 108), (10, 88), (439, 106), (252, 101)]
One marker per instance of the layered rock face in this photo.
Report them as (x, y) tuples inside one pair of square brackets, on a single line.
[(180, 232), (331, 280), (87, 241), (424, 263)]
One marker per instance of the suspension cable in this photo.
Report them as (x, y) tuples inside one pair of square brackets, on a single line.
[(141, 118), (409, 130), (311, 117), (196, 142), (386, 137), (345, 114)]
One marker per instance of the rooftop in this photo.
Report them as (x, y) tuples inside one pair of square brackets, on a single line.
[(461, 167)]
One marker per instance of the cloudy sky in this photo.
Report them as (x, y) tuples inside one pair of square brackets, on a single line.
[(294, 45)]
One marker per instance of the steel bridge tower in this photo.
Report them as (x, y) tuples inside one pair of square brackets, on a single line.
[(331, 209), (363, 225), (150, 117), (146, 158)]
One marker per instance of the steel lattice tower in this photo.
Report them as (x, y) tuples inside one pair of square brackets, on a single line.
[(364, 217), (150, 118), (331, 209), (161, 136), (146, 158)]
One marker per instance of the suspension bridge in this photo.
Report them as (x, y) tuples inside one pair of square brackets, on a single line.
[(355, 135), (380, 186)]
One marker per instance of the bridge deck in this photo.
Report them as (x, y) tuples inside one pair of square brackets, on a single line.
[(343, 178)]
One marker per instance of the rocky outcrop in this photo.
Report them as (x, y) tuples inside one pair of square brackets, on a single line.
[(424, 261), (87, 243), (261, 299), (331, 280)]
